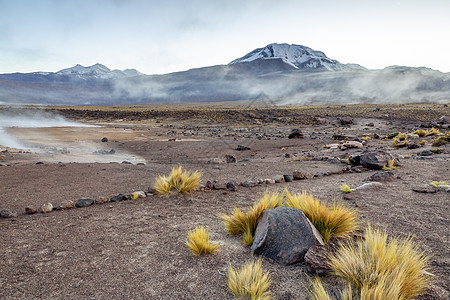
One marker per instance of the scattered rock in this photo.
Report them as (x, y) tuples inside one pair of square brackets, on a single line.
[(368, 186), (46, 207), (84, 202), (118, 198), (370, 124), (230, 158), (425, 190), (382, 176), (284, 235), (249, 183), (295, 134), (346, 120), (102, 199), (288, 178), (29, 210), (219, 185), (374, 160), (278, 178), (316, 260), (333, 146), (338, 136), (151, 191), (413, 146), (351, 144), (232, 186), (104, 152), (216, 161), (297, 175), (425, 153), (242, 148), (6, 213), (269, 181), (104, 140), (125, 162), (66, 204), (39, 163)]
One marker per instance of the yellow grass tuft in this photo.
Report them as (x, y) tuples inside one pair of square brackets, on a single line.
[(366, 138), (433, 131), (246, 223), (179, 181), (345, 188), (335, 221), (249, 281), (438, 184), (198, 241), (442, 140), (399, 143), (390, 166), (421, 132), (380, 269), (422, 142)]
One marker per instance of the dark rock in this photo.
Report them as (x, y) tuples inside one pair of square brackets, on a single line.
[(376, 109), (413, 146), (374, 160), (316, 260), (425, 153), (232, 186), (249, 183), (150, 191), (288, 178), (84, 202), (297, 175), (46, 207), (295, 134), (370, 124), (425, 190), (230, 158), (382, 176), (125, 162), (346, 120), (376, 136), (219, 186), (119, 198), (6, 213), (29, 210), (39, 163), (287, 155), (242, 148), (104, 140), (284, 235)]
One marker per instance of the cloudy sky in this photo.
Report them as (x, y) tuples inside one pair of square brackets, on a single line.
[(173, 35)]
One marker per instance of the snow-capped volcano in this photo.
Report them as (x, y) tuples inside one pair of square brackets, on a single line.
[(299, 57), (97, 71)]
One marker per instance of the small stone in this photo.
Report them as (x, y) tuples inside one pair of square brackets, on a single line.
[(270, 181), (125, 162), (102, 199), (316, 260), (138, 194), (249, 183), (288, 178), (242, 148), (104, 140), (6, 213), (46, 207), (66, 204), (370, 124), (84, 202), (368, 186), (295, 134), (346, 120), (425, 153), (278, 178), (219, 185), (425, 190), (297, 175), (118, 198), (230, 159), (352, 144), (382, 176), (413, 146), (208, 185), (39, 163), (151, 191), (232, 186), (29, 210)]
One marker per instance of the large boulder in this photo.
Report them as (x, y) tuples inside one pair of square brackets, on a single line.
[(284, 235), (374, 160)]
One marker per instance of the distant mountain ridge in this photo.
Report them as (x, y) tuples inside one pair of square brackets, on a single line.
[(276, 73)]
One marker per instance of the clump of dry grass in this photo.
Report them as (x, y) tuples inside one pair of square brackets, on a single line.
[(433, 131), (179, 181), (239, 222), (421, 132), (442, 140), (390, 166), (345, 188), (335, 221), (380, 269), (198, 241), (438, 184), (249, 281), (399, 143)]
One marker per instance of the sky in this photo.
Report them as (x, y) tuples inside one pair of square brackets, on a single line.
[(157, 37)]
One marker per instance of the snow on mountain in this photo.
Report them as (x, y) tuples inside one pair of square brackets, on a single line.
[(98, 71), (300, 57)]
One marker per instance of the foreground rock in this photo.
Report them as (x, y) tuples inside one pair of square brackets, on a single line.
[(295, 134), (316, 260), (6, 213), (284, 235), (84, 202), (67, 204), (374, 160), (46, 207)]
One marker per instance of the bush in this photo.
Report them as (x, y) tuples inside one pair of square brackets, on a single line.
[(198, 242), (335, 221), (246, 223), (442, 140), (382, 270), (399, 143), (179, 181), (249, 281)]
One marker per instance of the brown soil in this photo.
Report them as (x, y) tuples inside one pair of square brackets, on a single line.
[(135, 249)]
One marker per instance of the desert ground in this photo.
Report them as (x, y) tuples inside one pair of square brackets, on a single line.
[(136, 249)]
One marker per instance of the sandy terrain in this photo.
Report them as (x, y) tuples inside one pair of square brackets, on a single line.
[(135, 249)]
